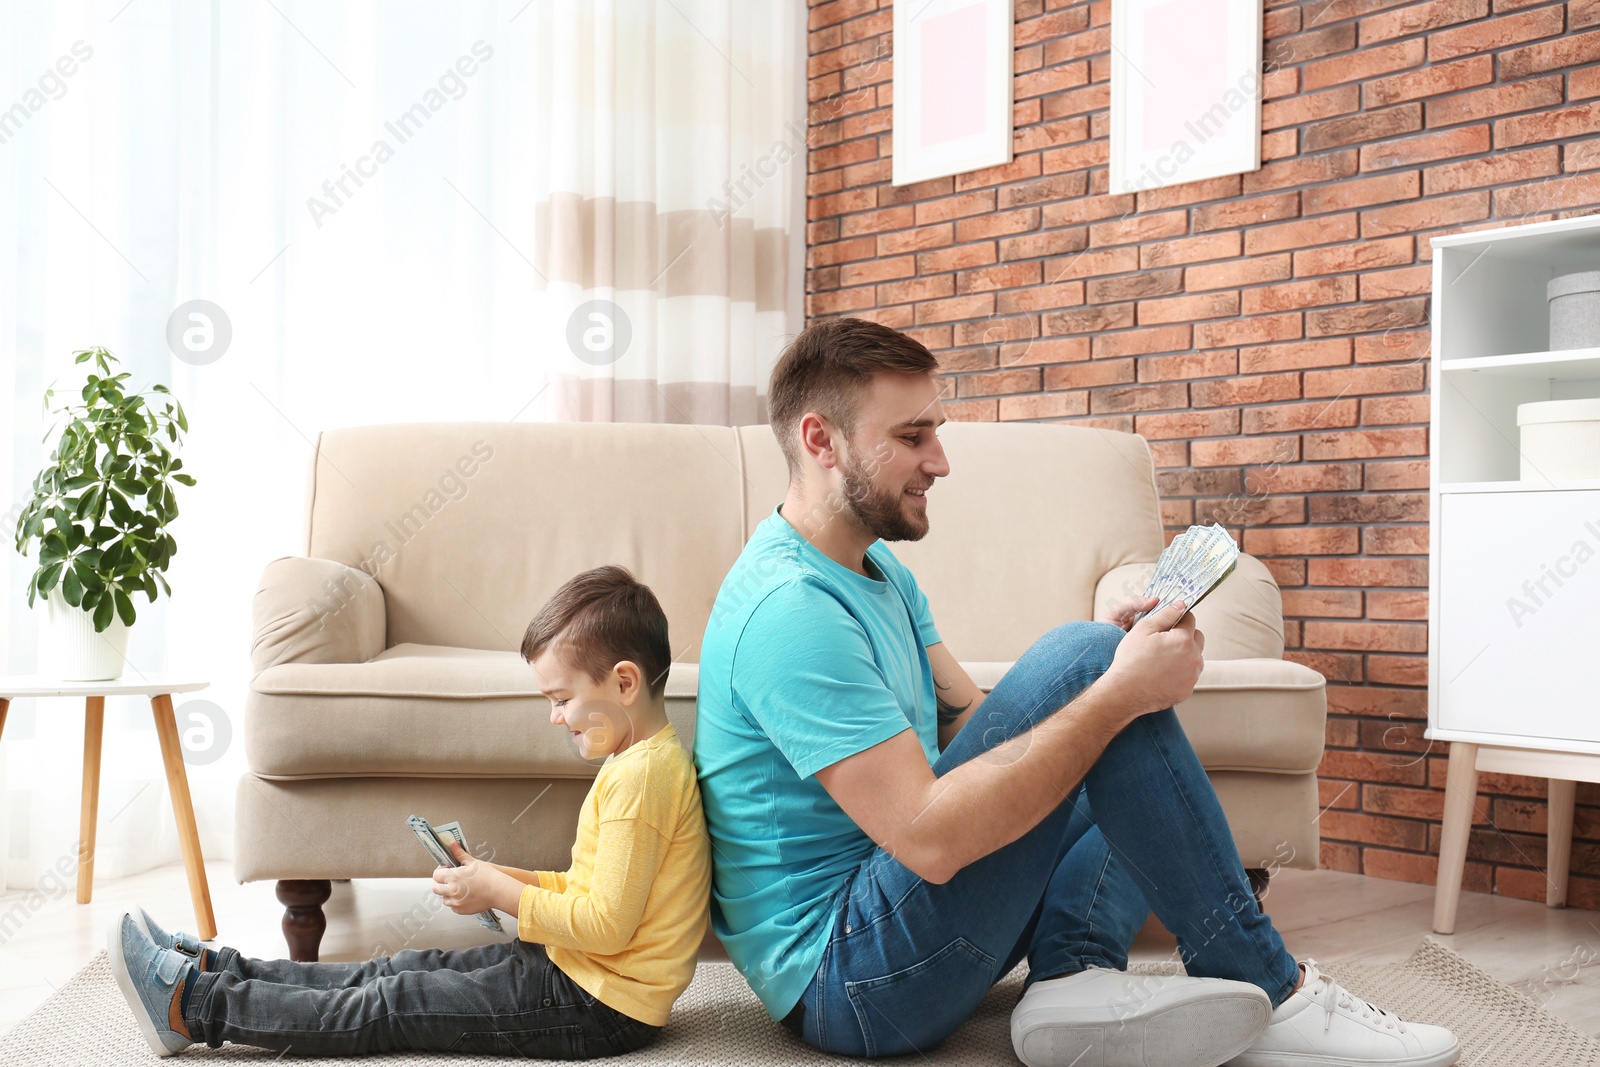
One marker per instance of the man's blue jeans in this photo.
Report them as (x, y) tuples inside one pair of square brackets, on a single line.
[(908, 961)]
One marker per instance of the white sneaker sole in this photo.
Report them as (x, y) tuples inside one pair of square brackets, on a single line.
[(1202, 1031), (130, 992), (1446, 1058)]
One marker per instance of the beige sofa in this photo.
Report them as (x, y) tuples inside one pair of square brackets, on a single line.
[(387, 680)]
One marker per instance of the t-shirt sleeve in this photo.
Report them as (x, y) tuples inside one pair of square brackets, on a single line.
[(804, 670)]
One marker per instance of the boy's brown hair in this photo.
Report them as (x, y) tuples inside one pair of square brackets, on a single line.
[(827, 367), (599, 618)]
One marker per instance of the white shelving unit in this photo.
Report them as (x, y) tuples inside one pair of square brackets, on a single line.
[(1514, 567)]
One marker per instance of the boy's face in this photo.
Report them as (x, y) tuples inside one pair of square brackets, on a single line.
[(593, 712)]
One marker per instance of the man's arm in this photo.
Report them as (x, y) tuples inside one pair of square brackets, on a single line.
[(957, 694), (937, 825)]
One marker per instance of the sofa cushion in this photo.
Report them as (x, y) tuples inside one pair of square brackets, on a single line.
[(421, 711), (470, 527), (1245, 714)]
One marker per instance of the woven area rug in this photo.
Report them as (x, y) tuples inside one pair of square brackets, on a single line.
[(718, 1021)]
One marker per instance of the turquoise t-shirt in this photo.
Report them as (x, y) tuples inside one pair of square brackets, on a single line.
[(804, 662)]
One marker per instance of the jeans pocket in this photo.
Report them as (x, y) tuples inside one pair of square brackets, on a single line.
[(899, 1012), (549, 1042)]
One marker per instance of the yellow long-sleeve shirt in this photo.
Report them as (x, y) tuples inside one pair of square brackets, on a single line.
[(625, 922)]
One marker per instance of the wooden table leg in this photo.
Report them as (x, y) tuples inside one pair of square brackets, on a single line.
[(1460, 797), (1558, 845), (4, 705), (183, 808), (94, 720)]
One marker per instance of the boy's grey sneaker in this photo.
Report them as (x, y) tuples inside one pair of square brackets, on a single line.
[(148, 976), (188, 944), (1116, 1019)]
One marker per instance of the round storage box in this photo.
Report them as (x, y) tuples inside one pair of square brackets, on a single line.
[(1560, 439), (1574, 310)]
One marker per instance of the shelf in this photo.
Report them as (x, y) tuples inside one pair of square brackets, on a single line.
[(1576, 364), (1514, 565), (1560, 245), (1584, 484)]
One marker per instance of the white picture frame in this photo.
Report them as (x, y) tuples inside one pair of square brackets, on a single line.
[(952, 87), (1185, 91)]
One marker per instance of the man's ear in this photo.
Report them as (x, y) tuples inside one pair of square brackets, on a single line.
[(817, 440), (630, 681)]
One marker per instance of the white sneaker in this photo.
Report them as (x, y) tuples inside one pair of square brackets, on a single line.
[(1323, 1025), (1115, 1019)]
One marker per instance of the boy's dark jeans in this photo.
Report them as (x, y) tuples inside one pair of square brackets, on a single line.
[(502, 998)]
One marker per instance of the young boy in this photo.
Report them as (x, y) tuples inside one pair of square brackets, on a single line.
[(602, 950)]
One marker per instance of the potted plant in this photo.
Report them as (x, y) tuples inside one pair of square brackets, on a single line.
[(100, 512)]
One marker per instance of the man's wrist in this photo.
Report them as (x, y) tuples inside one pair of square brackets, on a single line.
[(1116, 698)]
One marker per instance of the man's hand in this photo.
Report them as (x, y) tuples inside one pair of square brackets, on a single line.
[(475, 886), (1121, 614), (1158, 663)]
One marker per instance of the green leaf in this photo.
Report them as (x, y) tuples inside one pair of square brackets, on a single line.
[(102, 615), (125, 608), (49, 576), (71, 587), (183, 479), (90, 503)]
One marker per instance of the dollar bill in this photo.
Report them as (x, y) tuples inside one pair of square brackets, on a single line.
[(1192, 565), (437, 841)]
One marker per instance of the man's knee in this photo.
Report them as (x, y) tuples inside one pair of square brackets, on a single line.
[(1086, 647)]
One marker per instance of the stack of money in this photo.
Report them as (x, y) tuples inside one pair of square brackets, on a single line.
[(437, 840), (1192, 565)]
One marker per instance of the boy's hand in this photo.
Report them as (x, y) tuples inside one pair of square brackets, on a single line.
[(475, 886)]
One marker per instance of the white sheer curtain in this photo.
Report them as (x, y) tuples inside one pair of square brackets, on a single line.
[(404, 210)]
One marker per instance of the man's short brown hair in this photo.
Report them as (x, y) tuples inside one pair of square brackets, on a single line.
[(600, 618), (827, 368)]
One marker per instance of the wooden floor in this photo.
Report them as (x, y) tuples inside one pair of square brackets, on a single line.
[(1552, 955)]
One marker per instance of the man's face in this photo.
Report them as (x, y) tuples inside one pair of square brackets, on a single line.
[(894, 456)]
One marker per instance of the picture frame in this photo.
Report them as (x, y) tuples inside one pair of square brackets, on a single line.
[(1185, 91), (952, 87)]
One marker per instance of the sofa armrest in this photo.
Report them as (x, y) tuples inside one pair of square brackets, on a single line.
[(315, 611), (1242, 617), (1257, 715)]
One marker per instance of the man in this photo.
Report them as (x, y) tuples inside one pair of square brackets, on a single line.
[(888, 841)]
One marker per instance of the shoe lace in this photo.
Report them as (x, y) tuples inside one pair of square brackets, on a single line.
[(1333, 997)]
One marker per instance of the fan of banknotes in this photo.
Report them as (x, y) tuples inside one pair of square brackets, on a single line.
[(1192, 565), (437, 839)]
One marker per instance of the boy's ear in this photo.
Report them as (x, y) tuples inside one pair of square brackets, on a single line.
[(630, 680)]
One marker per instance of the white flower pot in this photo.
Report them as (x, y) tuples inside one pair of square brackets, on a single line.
[(70, 649)]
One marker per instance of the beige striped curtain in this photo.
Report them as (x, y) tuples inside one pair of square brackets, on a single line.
[(673, 143)]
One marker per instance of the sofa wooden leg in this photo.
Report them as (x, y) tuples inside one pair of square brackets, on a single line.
[(1259, 877), (303, 921)]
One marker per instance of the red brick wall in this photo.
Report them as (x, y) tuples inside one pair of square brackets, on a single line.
[(1267, 332)]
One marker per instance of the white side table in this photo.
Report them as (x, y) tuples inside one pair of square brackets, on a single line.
[(159, 689)]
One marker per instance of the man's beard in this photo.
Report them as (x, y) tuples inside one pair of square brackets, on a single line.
[(881, 512)]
